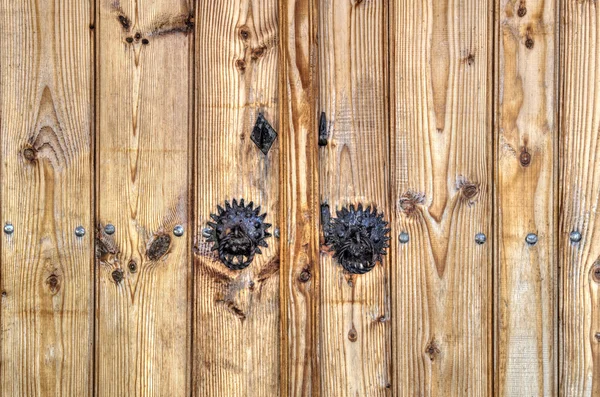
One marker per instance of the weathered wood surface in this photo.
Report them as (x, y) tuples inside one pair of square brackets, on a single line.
[(299, 216), (143, 162), (236, 313), (526, 137), (355, 324), (579, 198), (46, 273), (442, 190)]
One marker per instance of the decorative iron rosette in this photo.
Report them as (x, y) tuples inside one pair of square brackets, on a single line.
[(237, 233), (358, 238)]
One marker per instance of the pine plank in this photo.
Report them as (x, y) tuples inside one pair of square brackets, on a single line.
[(300, 198), (441, 89), (236, 313), (144, 103), (526, 133), (46, 273), (579, 198), (355, 321)]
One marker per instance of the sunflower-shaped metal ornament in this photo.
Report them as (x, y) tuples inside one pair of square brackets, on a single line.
[(238, 232), (358, 238)]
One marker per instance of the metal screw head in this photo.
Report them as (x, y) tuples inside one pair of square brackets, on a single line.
[(80, 231), (403, 238), (531, 239), (575, 236), (178, 230), (9, 228), (109, 229), (480, 238)]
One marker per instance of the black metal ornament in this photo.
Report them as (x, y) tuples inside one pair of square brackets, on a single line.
[(358, 237), (263, 135), (238, 232)]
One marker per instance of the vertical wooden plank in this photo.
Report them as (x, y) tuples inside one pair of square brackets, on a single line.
[(355, 310), (236, 313), (300, 198), (579, 199), (526, 134), (441, 53), (143, 162), (46, 276)]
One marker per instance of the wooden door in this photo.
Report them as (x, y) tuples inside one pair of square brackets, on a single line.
[(299, 198)]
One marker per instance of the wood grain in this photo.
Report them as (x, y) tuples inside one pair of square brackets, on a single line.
[(46, 277), (526, 133), (300, 198), (143, 188), (579, 199), (442, 184), (355, 321), (236, 313)]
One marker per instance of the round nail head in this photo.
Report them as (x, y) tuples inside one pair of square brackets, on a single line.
[(404, 238), (178, 230), (531, 238), (480, 238), (277, 233), (575, 236), (80, 231), (109, 229), (9, 228)]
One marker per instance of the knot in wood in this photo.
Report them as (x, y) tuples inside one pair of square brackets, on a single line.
[(30, 154), (53, 283), (304, 276), (525, 158), (117, 276), (158, 247), (596, 272), (410, 201)]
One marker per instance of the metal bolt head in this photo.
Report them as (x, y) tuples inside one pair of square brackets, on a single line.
[(404, 238), (480, 238), (109, 229), (531, 239), (9, 228), (575, 236), (80, 231), (178, 230)]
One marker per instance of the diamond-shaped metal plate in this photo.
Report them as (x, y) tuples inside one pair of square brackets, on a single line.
[(263, 135)]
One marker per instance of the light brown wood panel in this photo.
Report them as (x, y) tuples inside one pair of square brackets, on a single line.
[(579, 198), (526, 135), (46, 277), (143, 161), (355, 321), (300, 198), (236, 313), (441, 55)]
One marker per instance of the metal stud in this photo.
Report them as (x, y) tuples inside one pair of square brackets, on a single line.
[(9, 228), (80, 231), (531, 239), (575, 236), (178, 230), (404, 238), (277, 233), (480, 238), (109, 229)]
